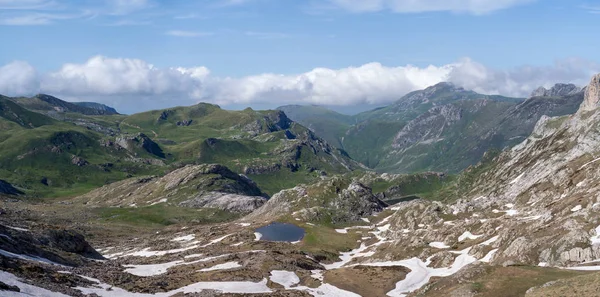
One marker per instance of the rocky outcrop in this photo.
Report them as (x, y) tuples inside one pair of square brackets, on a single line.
[(558, 90), (65, 247), (337, 199), (199, 186), (225, 201), (78, 161), (427, 127), (134, 144), (592, 95), (8, 189)]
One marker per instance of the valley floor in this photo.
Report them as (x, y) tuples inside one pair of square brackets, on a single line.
[(226, 259)]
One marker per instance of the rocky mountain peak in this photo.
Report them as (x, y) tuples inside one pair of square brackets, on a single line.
[(592, 95), (558, 90)]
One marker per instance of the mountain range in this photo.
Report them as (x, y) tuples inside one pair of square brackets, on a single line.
[(445, 192), (442, 128)]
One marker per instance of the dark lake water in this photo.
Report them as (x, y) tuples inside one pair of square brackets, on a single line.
[(281, 232)]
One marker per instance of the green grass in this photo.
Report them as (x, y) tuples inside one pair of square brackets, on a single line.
[(162, 215)]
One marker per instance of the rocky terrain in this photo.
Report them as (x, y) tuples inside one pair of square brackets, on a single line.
[(522, 222), (442, 128), (196, 186)]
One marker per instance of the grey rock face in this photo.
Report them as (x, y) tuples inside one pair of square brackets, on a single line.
[(62, 246), (197, 186), (428, 126), (226, 201), (592, 95), (558, 90)]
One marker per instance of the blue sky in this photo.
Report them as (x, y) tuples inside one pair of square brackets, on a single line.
[(265, 52)]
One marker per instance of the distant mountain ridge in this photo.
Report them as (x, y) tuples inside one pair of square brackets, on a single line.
[(98, 106), (558, 90), (50, 104), (441, 128)]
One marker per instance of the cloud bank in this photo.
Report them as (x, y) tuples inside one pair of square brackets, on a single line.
[(107, 79)]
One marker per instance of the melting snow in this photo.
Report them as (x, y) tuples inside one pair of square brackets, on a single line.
[(584, 268), (543, 264), (420, 274), (290, 280), (28, 258), (151, 269), (17, 228), (576, 208), (257, 236), (468, 235), (343, 231), (26, 289), (438, 245), (106, 290), (487, 258), (512, 212), (285, 278), (244, 224), (224, 266), (596, 238), (238, 244), (148, 253), (216, 240), (184, 238), (164, 200), (365, 219), (490, 241)]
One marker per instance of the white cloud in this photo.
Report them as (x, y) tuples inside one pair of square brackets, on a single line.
[(181, 33), (33, 19), (108, 76), (415, 6), (129, 80), (18, 78)]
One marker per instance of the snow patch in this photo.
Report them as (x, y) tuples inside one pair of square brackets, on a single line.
[(576, 208), (28, 258), (184, 238), (224, 266), (285, 278), (257, 236), (164, 200), (27, 290), (487, 258), (438, 245), (106, 290), (420, 274), (216, 241), (596, 238), (468, 235), (490, 241)]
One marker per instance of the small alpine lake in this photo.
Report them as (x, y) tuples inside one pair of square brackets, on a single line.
[(281, 232)]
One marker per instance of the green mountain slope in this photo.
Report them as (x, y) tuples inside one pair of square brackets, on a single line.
[(76, 152), (51, 105), (326, 123), (441, 128), (10, 111)]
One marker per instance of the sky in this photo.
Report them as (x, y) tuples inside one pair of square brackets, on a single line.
[(350, 55)]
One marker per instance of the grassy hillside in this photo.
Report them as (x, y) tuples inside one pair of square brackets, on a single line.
[(74, 152), (441, 128)]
